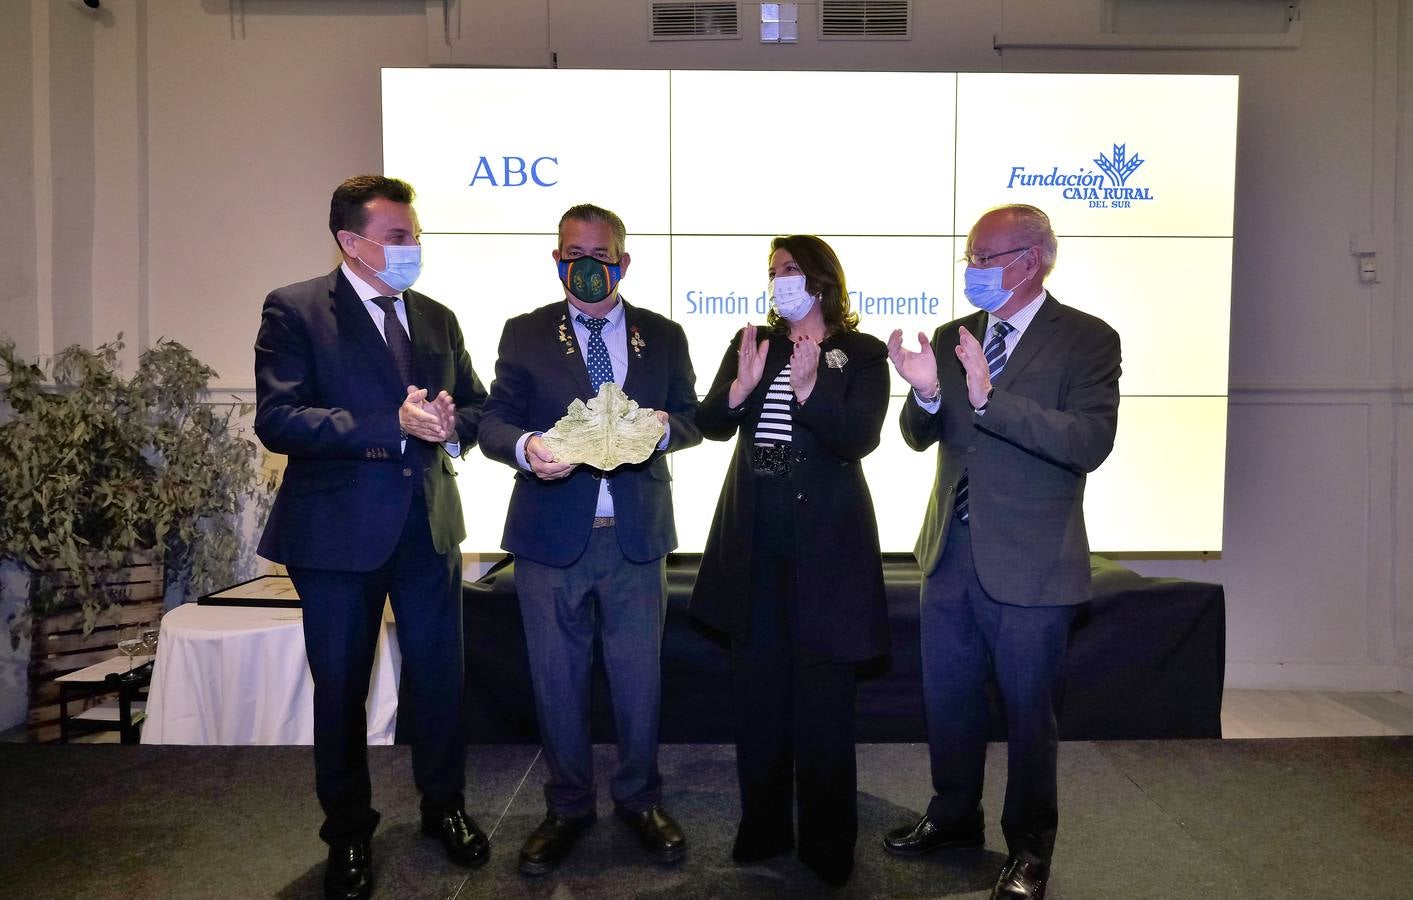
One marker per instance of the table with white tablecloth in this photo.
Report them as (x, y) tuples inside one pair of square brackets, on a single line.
[(240, 675)]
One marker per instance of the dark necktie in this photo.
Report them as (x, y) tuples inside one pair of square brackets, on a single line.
[(995, 362), (600, 366), (399, 345)]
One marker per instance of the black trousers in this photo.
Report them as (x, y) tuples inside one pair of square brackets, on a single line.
[(342, 612), (795, 715)]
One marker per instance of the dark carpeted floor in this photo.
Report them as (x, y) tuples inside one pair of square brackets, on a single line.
[(1329, 817)]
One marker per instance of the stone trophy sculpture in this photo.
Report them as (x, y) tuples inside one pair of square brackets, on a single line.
[(607, 432)]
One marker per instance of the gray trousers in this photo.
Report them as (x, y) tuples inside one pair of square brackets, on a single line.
[(561, 609), (967, 636)]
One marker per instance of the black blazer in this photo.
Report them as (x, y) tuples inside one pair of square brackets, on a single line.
[(540, 370), (1050, 421), (843, 613), (327, 395)]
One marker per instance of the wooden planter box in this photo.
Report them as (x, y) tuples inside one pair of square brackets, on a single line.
[(60, 646)]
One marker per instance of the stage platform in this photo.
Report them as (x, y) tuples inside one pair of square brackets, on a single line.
[(1146, 661), (1326, 817)]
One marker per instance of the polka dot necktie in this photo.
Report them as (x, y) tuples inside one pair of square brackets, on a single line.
[(399, 345), (600, 366), (995, 362)]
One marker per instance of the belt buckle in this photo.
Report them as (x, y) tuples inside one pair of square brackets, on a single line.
[(773, 460)]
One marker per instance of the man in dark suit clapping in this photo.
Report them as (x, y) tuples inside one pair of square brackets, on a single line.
[(1022, 399), (366, 386), (589, 545)]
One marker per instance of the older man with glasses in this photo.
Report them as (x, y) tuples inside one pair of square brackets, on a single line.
[(1023, 404)]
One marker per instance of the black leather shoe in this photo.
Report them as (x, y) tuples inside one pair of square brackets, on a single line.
[(659, 834), (926, 836), (465, 844), (349, 874), (1021, 881), (550, 842)]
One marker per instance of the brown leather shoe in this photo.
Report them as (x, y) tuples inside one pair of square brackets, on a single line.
[(926, 836), (551, 842), (465, 844), (1021, 881), (349, 874), (658, 832)]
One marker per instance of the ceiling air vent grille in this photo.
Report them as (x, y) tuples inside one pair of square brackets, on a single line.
[(865, 20), (672, 21)]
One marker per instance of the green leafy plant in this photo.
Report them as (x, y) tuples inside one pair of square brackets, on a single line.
[(95, 467)]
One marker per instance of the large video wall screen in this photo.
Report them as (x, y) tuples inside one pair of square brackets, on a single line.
[(1135, 171)]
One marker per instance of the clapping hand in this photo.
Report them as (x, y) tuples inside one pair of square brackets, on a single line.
[(978, 370), (433, 421), (445, 407), (750, 366), (917, 367), (804, 367)]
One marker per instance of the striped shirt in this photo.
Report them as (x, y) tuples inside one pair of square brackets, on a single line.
[(773, 427)]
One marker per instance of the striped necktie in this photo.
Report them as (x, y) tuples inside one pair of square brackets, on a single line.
[(995, 362)]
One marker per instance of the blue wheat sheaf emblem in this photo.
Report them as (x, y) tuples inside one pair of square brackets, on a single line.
[(1119, 166)]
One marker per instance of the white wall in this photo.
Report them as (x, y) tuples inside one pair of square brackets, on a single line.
[(18, 312), (178, 157)]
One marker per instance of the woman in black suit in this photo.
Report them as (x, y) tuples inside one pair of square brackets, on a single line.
[(791, 570)]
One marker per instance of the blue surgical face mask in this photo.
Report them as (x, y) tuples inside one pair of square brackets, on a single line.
[(790, 298), (983, 286), (402, 263)]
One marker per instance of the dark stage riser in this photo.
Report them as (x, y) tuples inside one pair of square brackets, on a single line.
[(1146, 660)]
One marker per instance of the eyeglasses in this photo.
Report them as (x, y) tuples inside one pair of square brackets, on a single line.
[(981, 261)]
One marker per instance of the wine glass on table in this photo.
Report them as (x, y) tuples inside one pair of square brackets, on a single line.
[(148, 634), (130, 645)]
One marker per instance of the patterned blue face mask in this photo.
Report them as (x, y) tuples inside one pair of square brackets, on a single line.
[(983, 286), (589, 279), (402, 264)]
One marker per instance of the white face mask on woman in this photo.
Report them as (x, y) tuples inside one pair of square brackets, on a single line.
[(788, 295)]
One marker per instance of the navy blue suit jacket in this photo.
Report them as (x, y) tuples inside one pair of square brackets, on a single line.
[(327, 396), (540, 370)]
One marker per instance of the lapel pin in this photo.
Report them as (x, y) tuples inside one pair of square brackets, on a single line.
[(565, 337)]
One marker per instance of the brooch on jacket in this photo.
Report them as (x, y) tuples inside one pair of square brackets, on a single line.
[(565, 337), (836, 358), (635, 340)]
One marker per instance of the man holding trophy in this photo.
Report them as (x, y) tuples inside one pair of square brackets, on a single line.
[(590, 522)]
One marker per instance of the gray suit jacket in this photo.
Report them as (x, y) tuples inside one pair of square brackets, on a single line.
[(1050, 421)]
